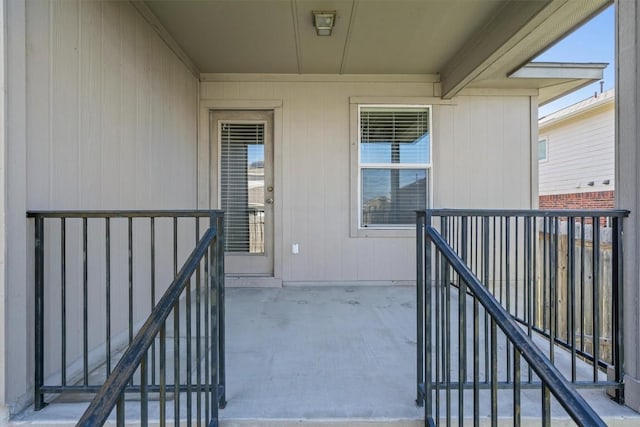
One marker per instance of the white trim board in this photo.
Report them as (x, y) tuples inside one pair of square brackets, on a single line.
[(349, 283), (400, 100), (337, 78)]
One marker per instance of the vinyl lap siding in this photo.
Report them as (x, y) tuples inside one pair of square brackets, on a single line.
[(580, 150)]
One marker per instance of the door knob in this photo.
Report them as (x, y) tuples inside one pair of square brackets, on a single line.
[(269, 201)]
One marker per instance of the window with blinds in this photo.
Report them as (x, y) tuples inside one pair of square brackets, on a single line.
[(394, 164), (242, 186)]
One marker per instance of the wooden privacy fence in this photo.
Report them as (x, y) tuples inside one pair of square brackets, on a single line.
[(586, 275)]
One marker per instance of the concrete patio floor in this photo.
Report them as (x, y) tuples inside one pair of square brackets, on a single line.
[(324, 356), (322, 353)]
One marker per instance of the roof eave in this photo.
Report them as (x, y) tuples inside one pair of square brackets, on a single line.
[(560, 70), (599, 101), (557, 79)]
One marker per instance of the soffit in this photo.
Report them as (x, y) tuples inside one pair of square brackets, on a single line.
[(551, 79), (549, 89), (277, 36)]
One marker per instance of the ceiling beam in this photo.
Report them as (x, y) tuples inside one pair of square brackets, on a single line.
[(511, 24), (347, 42), (296, 33)]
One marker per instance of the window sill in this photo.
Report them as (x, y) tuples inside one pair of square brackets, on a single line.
[(399, 232)]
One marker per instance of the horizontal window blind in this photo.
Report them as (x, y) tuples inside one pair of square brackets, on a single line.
[(242, 186), (394, 135)]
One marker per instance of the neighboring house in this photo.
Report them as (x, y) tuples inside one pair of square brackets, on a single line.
[(576, 147), (121, 105)]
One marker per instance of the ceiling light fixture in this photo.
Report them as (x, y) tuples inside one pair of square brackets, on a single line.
[(324, 22)]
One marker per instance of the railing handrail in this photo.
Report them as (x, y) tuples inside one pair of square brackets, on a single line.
[(106, 399), (567, 396), (620, 213), (122, 213)]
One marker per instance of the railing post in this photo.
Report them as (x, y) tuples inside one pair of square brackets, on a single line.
[(215, 327), (553, 286), (427, 313), (219, 274), (462, 313), (38, 400), (420, 381), (596, 296), (571, 284), (485, 275), (85, 304), (617, 309), (144, 391), (120, 412)]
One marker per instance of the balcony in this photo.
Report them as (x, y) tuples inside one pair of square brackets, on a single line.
[(341, 355)]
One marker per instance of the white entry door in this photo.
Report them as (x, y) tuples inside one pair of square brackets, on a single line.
[(243, 147)]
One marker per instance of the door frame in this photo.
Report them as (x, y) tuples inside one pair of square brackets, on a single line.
[(207, 193)]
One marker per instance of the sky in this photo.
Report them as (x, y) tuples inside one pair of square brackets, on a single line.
[(593, 42)]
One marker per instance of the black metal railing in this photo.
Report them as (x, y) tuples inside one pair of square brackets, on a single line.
[(98, 278), (201, 382), (497, 364), (558, 273)]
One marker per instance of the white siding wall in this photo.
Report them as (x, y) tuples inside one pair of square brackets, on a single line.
[(581, 149), (482, 159), (111, 123)]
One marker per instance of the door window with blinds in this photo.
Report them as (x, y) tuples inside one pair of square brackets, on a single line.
[(394, 164), (242, 182)]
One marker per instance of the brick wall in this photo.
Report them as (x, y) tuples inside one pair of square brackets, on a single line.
[(592, 200)]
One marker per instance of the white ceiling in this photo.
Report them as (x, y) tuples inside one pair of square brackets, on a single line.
[(277, 36)]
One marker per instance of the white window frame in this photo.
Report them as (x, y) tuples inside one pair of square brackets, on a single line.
[(546, 149), (385, 230)]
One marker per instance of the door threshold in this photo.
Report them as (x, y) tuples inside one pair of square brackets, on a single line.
[(252, 282)]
